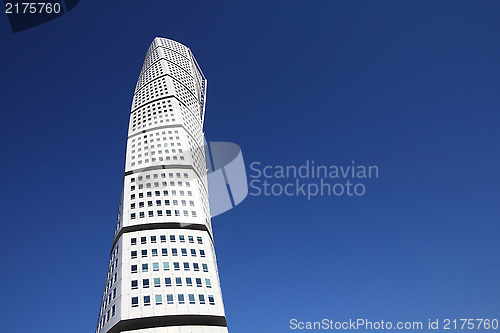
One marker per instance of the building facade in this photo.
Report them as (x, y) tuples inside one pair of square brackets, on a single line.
[(162, 274)]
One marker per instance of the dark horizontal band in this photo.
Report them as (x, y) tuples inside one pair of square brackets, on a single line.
[(159, 167), (154, 226), (166, 321)]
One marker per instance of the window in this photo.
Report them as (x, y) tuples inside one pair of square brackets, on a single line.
[(186, 266), (200, 241), (159, 212), (154, 252), (141, 215), (180, 297), (145, 283), (143, 240), (134, 284), (174, 252), (198, 282), (133, 269), (168, 282), (177, 213), (191, 239), (193, 253), (166, 266), (189, 282), (147, 300), (141, 204), (170, 299), (196, 267), (132, 216), (172, 238), (157, 282), (202, 299), (169, 213), (156, 267), (133, 254), (163, 239), (158, 299), (184, 252), (113, 311), (202, 253), (148, 194), (205, 267), (135, 302), (144, 253), (133, 241), (178, 281), (176, 266), (207, 282), (182, 239), (211, 299), (191, 298), (164, 252), (144, 267), (114, 293), (150, 213), (153, 239)]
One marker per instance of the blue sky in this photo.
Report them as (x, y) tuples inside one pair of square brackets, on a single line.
[(409, 86)]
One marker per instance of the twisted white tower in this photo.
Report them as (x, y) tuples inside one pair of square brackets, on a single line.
[(162, 274)]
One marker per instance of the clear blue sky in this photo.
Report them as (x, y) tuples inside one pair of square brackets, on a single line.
[(410, 86)]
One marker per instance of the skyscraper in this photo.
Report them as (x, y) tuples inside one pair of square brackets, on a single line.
[(162, 274)]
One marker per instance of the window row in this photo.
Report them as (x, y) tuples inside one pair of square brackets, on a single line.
[(168, 282), (150, 203), (162, 175), (158, 193), (151, 135), (159, 213), (169, 299), (166, 267), (157, 184), (164, 253), (163, 239), (159, 159)]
